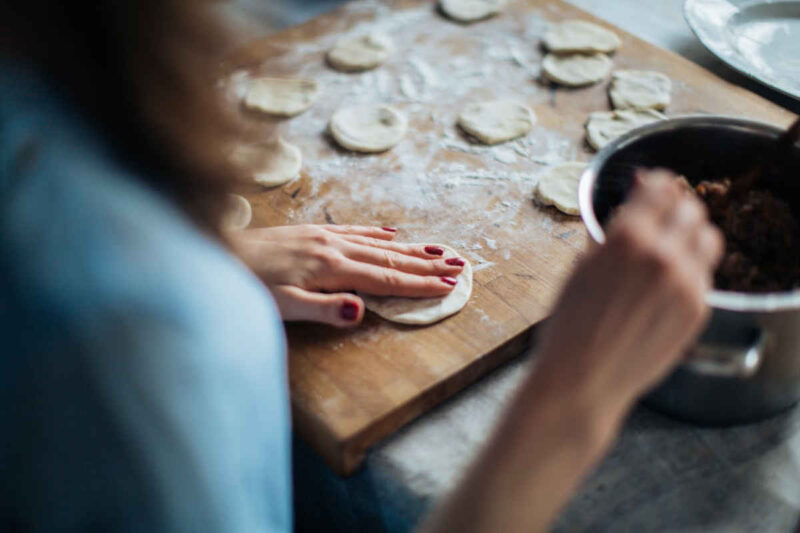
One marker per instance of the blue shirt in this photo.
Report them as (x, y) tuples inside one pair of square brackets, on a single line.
[(143, 380)]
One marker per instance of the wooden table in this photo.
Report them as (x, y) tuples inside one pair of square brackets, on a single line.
[(352, 388), (662, 475)]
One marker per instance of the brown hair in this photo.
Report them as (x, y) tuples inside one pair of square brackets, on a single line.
[(144, 72)]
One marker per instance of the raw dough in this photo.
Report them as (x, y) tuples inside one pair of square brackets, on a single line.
[(605, 126), (577, 69), (496, 122), (284, 97), (471, 10), (360, 53), (368, 128), (580, 36), (424, 310), (239, 213), (639, 89), (558, 187), (271, 163)]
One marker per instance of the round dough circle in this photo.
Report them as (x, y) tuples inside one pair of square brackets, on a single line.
[(639, 89), (605, 126), (368, 128), (497, 121), (239, 213), (282, 97), (471, 10), (424, 310), (271, 163), (576, 70), (558, 187), (360, 53), (580, 36)]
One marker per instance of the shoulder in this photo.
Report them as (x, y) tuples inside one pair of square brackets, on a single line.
[(85, 246), (75, 218), (122, 316)]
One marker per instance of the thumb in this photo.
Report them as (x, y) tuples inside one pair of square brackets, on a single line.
[(341, 310)]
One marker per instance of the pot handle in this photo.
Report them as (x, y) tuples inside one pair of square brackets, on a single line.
[(727, 360)]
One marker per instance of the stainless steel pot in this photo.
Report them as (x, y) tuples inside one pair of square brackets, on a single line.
[(746, 364)]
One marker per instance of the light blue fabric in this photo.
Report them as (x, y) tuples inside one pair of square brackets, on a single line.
[(143, 382)]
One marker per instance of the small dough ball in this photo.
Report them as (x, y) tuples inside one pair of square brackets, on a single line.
[(605, 126), (471, 10), (639, 89), (271, 163), (368, 128), (580, 36), (424, 310), (576, 70), (496, 122), (558, 187), (360, 53), (282, 97), (238, 214)]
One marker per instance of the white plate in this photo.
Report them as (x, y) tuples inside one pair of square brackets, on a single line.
[(760, 39)]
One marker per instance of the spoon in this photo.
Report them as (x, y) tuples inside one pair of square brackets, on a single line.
[(770, 158)]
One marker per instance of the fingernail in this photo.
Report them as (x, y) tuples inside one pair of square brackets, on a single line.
[(434, 250), (391, 230), (449, 280), (349, 311), (455, 261)]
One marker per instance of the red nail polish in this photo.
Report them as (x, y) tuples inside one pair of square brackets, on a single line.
[(391, 230), (434, 250), (455, 261), (349, 311), (449, 280)]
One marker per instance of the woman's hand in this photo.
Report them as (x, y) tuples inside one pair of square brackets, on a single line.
[(307, 268), (635, 304), (624, 319)]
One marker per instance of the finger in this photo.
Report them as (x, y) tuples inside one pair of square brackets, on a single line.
[(709, 244), (451, 266), (341, 310), (424, 251), (655, 191), (685, 218), (382, 281), (385, 233)]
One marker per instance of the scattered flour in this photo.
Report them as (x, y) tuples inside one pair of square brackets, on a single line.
[(482, 266), (435, 174)]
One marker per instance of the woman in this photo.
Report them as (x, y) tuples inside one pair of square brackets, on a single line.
[(144, 369)]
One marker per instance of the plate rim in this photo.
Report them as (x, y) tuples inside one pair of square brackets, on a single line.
[(689, 17)]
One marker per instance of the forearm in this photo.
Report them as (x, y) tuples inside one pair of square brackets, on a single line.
[(549, 439)]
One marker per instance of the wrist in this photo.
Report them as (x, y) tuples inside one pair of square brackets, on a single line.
[(571, 406), (586, 381)]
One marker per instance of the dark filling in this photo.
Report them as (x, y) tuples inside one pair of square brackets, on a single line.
[(762, 238)]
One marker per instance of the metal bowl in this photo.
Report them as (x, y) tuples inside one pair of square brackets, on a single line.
[(746, 364)]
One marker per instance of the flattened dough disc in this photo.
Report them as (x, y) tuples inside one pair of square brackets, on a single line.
[(497, 121), (368, 128), (558, 187), (282, 97), (605, 126), (580, 36), (424, 310), (577, 69), (238, 214), (271, 163), (360, 53), (471, 10), (639, 89)]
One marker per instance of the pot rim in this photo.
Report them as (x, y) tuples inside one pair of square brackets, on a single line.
[(728, 300)]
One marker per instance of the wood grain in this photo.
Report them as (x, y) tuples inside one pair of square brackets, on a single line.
[(352, 388)]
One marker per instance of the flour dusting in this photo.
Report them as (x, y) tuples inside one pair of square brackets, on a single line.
[(437, 177)]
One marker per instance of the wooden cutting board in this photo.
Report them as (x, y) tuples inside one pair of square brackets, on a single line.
[(352, 388)]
